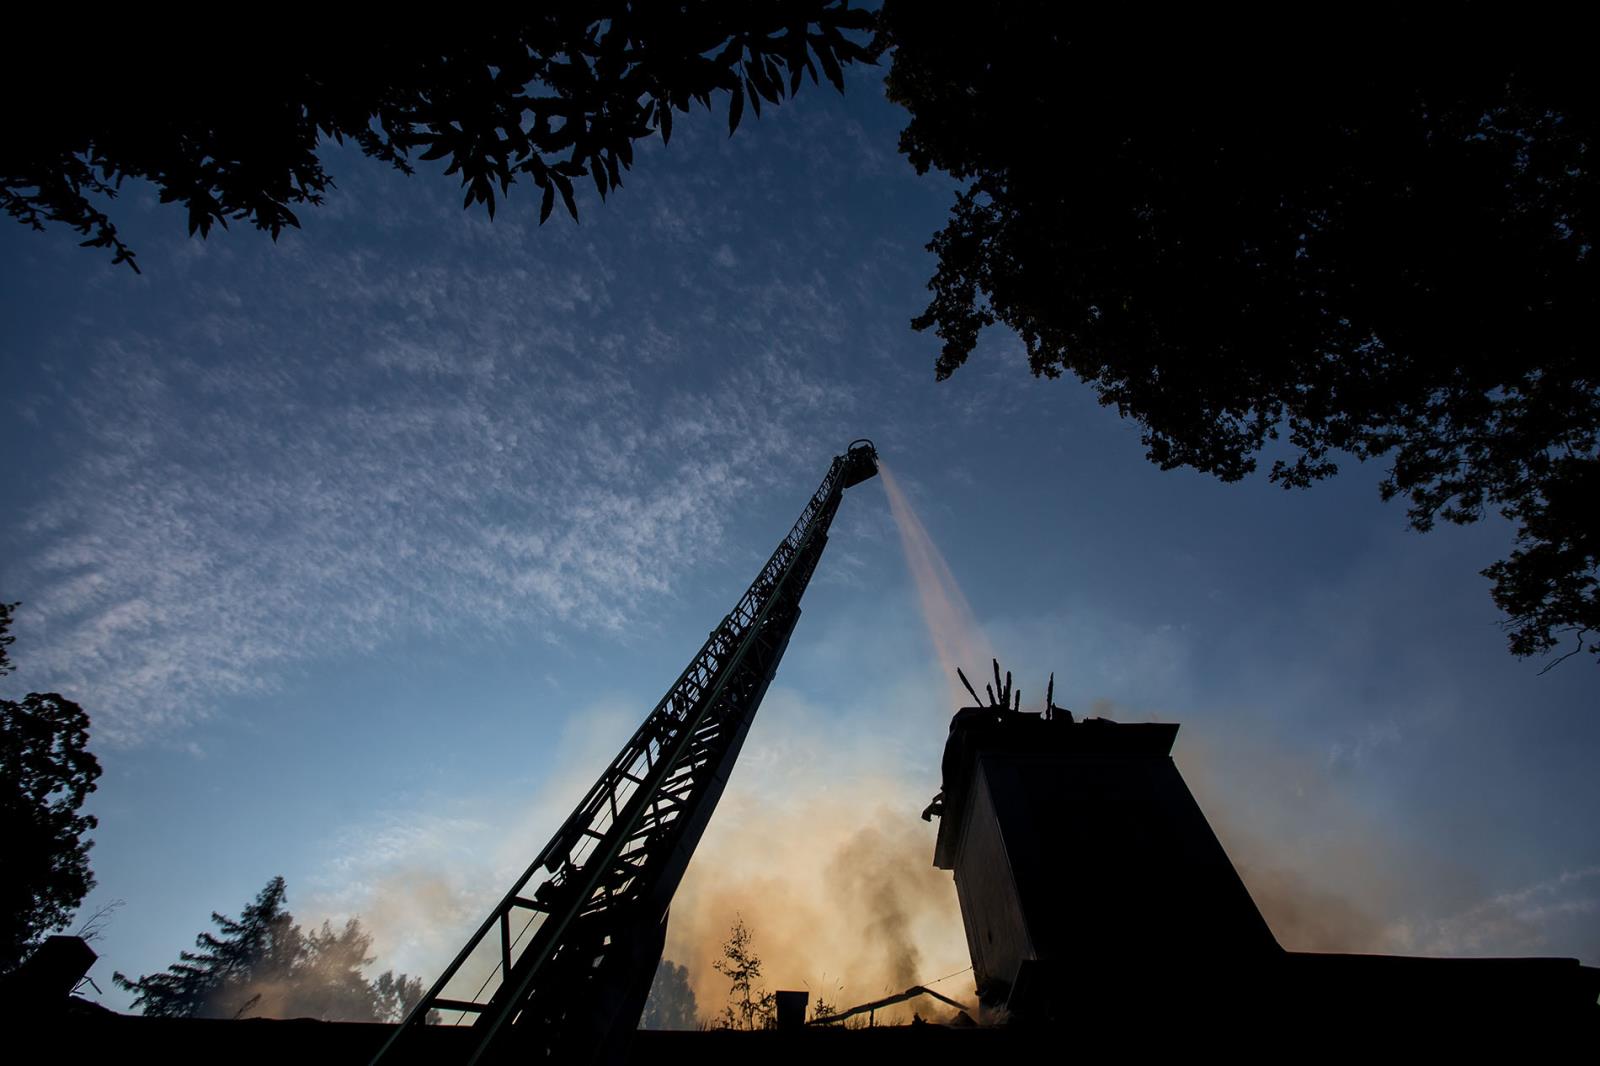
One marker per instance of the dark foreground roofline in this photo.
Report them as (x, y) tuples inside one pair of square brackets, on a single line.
[(1150, 1021)]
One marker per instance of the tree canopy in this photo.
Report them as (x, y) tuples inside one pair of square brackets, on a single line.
[(262, 964), (46, 773), (230, 128), (1317, 237), (671, 1003)]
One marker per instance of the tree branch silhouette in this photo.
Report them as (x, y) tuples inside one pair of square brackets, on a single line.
[(1314, 239), (230, 129)]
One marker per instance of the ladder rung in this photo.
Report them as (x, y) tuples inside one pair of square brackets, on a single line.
[(459, 1004)]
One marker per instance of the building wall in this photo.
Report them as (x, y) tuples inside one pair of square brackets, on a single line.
[(997, 933), (1101, 864)]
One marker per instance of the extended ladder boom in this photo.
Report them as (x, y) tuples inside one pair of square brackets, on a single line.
[(563, 970)]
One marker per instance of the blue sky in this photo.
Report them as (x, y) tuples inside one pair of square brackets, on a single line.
[(365, 548)]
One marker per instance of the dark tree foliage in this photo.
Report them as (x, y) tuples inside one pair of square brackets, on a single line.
[(46, 772), (6, 639), (671, 1003), (394, 996), (262, 964), (1322, 234), (230, 126)]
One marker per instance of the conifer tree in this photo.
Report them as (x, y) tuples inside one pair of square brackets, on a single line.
[(203, 983), (262, 964)]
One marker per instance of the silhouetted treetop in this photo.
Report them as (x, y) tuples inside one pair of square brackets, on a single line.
[(750, 1006), (1317, 235), (218, 979), (230, 126), (262, 964), (46, 774)]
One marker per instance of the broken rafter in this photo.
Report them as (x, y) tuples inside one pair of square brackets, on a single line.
[(888, 1001)]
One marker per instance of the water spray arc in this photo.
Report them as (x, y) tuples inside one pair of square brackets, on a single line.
[(561, 967), (952, 626)]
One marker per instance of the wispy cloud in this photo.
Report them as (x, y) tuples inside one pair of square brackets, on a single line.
[(1556, 914), (364, 451), (409, 420)]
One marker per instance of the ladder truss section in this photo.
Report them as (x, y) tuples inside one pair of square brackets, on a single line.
[(561, 966)]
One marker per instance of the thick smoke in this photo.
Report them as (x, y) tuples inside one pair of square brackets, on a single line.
[(867, 869), (1324, 876), (816, 845), (837, 886), (818, 848)]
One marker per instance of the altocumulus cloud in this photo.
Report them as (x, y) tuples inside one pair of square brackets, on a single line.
[(373, 451)]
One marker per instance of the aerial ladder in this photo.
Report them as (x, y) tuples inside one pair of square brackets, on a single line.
[(561, 968)]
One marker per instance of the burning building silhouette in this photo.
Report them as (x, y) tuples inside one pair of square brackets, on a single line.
[(1092, 887), (1101, 912)]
